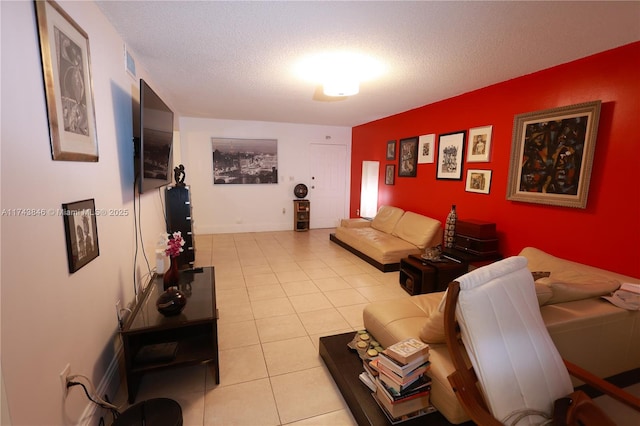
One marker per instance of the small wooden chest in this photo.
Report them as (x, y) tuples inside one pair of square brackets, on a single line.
[(476, 229), (476, 245)]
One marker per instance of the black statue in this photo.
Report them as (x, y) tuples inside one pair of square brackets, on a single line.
[(179, 174)]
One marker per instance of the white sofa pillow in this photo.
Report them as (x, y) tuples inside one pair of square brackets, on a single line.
[(416, 229), (386, 218)]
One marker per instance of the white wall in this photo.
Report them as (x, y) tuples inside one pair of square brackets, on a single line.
[(50, 317), (258, 207)]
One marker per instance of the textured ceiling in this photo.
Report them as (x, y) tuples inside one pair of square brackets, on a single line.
[(236, 60)]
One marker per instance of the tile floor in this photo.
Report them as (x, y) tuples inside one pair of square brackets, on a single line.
[(277, 293)]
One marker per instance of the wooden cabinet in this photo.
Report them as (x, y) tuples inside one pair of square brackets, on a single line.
[(419, 276), (178, 209), (301, 214)]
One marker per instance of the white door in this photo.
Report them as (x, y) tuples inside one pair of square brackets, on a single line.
[(328, 189)]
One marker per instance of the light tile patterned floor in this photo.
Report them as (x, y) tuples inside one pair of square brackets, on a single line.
[(278, 293)]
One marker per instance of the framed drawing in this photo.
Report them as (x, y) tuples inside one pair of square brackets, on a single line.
[(479, 147), (389, 174), (552, 155), (478, 181), (408, 157), (450, 155), (66, 67), (244, 161), (426, 146), (81, 233), (391, 150)]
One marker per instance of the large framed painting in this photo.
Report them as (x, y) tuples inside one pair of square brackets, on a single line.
[(81, 233), (408, 157), (552, 155), (66, 67), (244, 161), (450, 155)]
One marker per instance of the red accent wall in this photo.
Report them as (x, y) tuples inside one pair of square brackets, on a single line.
[(606, 234)]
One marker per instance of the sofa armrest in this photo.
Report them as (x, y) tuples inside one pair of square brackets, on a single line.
[(355, 223)]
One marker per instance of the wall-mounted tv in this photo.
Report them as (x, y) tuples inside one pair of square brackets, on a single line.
[(153, 156)]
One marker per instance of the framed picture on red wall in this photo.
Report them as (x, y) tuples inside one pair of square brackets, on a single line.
[(390, 174), (450, 155), (478, 181), (391, 150), (479, 147), (408, 157), (552, 155)]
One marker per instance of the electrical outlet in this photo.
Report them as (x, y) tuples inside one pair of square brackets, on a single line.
[(64, 375)]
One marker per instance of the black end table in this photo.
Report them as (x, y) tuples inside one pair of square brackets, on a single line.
[(419, 276)]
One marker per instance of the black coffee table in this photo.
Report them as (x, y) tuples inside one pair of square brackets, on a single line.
[(345, 366)]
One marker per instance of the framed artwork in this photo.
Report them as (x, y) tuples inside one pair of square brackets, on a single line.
[(478, 181), (244, 161), (389, 174), (479, 146), (391, 150), (426, 146), (408, 157), (450, 155), (81, 233), (66, 67), (552, 155)]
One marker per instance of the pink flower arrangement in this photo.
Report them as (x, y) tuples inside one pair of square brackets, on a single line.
[(174, 244)]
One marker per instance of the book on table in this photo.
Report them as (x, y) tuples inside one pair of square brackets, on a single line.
[(402, 370), (402, 406), (407, 350)]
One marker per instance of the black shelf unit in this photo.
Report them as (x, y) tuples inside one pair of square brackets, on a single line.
[(179, 218)]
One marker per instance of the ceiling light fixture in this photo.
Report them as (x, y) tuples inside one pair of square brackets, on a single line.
[(339, 73)]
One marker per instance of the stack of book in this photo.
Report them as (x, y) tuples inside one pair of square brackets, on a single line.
[(402, 385)]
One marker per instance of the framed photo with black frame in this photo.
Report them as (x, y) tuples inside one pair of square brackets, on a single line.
[(552, 155), (450, 155), (66, 68), (408, 157), (389, 174), (81, 232), (391, 150)]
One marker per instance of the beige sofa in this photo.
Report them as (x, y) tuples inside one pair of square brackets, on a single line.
[(392, 235), (587, 330)]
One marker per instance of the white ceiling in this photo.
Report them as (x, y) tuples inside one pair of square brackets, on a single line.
[(236, 59)]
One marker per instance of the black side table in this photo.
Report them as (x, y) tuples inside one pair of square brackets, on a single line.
[(419, 276), (472, 260)]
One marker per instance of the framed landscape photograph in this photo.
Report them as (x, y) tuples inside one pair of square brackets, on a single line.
[(408, 157), (478, 181), (426, 146), (244, 161), (66, 67), (552, 155), (389, 174), (450, 155), (479, 147), (391, 150), (81, 233)]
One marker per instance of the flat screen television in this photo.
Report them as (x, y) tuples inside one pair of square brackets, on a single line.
[(153, 147)]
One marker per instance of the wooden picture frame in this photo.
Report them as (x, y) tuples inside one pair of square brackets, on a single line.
[(479, 146), (81, 232), (478, 181), (66, 68), (552, 155), (426, 147), (450, 155), (389, 174), (391, 150), (408, 157)]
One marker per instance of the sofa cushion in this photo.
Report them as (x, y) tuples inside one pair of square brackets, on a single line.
[(416, 229), (386, 218), (587, 287), (543, 293), (379, 246)]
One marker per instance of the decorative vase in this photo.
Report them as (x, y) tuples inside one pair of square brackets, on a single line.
[(171, 277), (171, 302), (450, 228)]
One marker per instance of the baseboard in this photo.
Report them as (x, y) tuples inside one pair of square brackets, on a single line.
[(108, 386)]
